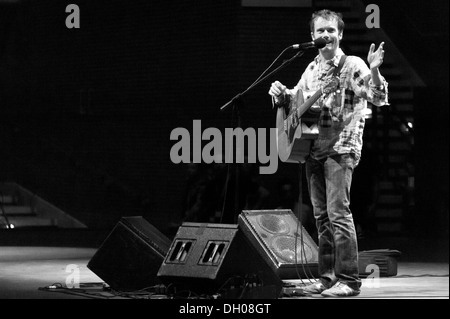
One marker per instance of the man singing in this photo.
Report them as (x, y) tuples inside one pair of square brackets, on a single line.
[(337, 150)]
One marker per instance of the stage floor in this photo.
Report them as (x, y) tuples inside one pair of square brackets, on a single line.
[(26, 269)]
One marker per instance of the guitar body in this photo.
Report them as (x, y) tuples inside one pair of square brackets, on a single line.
[(297, 127), (295, 136)]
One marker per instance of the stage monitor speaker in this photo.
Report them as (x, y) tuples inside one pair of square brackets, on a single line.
[(216, 259), (284, 243), (130, 256)]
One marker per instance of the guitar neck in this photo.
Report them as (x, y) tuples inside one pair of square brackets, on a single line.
[(308, 103)]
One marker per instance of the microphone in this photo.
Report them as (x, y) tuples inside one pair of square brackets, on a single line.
[(318, 43)]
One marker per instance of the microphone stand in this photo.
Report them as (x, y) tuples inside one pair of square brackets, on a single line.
[(237, 104)]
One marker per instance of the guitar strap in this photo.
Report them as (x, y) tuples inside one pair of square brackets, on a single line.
[(337, 70)]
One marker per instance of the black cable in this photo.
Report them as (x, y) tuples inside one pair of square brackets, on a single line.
[(267, 69), (299, 225), (2, 209), (264, 76), (227, 181), (261, 78), (418, 276), (243, 290), (143, 293), (58, 287)]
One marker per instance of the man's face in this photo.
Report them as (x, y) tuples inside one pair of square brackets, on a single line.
[(327, 29)]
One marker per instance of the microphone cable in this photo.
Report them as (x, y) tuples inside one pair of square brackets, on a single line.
[(299, 225), (2, 209)]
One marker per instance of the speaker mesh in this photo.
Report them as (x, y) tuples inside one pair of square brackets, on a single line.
[(284, 248), (218, 256), (282, 240), (273, 224)]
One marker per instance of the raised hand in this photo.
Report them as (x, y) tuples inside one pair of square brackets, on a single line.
[(375, 58)]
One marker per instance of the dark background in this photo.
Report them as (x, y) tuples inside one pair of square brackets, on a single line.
[(86, 114)]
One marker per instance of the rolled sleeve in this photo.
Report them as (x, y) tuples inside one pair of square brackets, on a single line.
[(361, 82), (379, 93)]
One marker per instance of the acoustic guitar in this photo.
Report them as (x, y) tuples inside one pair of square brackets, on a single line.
[(297, 124)]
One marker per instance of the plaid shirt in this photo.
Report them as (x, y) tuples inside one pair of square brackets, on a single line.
[(341, 122)]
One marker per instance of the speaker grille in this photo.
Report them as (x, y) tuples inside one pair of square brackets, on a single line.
[(278, 236), (208, 258), (273, 224), (284, 248)]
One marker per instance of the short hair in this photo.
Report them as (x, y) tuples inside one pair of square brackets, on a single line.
[(327, 15)]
